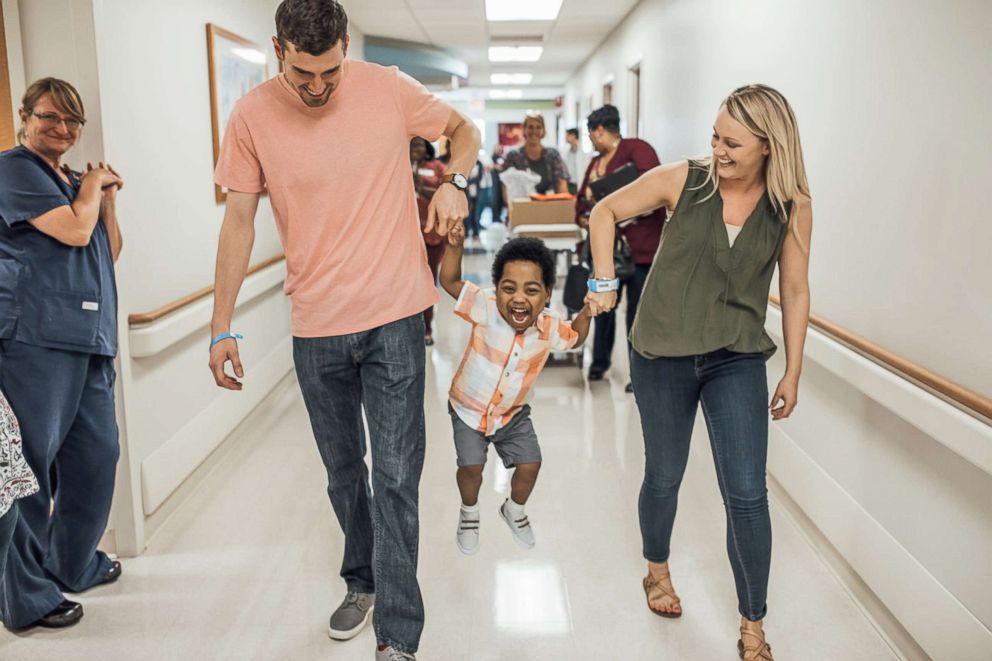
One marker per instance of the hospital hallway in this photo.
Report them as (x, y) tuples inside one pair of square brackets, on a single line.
[(195, 186), (247, 568)]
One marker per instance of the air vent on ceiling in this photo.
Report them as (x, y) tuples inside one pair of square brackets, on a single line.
[(516, 40)]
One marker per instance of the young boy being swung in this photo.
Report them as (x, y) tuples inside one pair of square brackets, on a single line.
[(513, 332)]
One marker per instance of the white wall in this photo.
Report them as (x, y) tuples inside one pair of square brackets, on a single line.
[(57, 40), (891, 98)]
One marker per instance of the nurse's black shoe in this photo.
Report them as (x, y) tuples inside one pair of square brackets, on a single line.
[(64, 615), (112, 574)]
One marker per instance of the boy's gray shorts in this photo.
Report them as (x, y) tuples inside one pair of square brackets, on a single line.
[(516, 443)]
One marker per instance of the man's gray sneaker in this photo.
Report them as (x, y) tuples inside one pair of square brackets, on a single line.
[(390, 654), (351, 615)]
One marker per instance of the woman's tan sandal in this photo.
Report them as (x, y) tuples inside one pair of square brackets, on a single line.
[(756, 650), (650, 583)]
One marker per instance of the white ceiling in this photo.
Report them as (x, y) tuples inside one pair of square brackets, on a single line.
[(460, 27)]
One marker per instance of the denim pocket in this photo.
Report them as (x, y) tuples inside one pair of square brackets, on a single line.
[(70, 317)]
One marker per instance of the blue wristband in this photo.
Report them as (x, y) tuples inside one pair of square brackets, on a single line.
[(224, 336), (599, 286)]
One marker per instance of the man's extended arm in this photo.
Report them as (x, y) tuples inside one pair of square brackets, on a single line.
[(449, 205), (237, 235)]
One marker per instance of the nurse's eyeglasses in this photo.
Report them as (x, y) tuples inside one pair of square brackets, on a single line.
[(52, 119)]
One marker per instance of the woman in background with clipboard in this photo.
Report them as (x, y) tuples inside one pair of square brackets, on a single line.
[(620, 161)]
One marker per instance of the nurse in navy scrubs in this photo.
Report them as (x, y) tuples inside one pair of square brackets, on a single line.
[(58, 336)]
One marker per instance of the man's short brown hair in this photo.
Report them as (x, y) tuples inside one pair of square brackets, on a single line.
[(312, 26)]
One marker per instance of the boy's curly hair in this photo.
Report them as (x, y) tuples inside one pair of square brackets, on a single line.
[(526, 250)]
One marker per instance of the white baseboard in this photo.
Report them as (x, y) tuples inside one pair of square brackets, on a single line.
[(941, 626), (170, 464)]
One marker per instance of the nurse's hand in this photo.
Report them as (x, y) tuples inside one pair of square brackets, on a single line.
[(104, 174), (220, 354)]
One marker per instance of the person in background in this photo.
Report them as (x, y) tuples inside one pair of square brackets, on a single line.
[(498, 203), (16, 479), (473, 193), (427, 174), (59, 240), (573, 159), (533, 156), (643, 233), (700, 337), (485, 198)]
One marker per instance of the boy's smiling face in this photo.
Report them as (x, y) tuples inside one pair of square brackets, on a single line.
[(521, 294)]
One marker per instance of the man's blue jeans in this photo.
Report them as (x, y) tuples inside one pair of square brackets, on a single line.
[(733, 390), (381, 370)]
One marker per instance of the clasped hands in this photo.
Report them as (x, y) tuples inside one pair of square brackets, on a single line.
[(600, 303)]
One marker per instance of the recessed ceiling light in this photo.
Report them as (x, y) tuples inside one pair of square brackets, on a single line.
[(522, 10), (511, 78), (515, 53), (506, 94)]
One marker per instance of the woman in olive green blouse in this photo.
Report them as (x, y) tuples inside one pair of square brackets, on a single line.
[(699, 334)]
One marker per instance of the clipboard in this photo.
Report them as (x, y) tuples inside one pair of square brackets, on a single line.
[(614, 181)]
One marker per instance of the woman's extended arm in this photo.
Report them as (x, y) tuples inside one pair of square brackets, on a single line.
[(793, 265), (659, 187)]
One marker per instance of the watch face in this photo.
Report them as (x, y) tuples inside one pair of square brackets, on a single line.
[(460, 181)]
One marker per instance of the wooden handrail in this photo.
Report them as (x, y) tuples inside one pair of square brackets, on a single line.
[(141, 318), (969, 399)]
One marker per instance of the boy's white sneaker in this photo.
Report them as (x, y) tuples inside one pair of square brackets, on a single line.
[(518, 523), (467, 535)]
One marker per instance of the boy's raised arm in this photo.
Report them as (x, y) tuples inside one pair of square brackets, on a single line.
[(580, 324), (451, 263)]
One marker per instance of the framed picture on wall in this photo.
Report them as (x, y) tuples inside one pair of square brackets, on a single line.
[(511, 134), (236, 65), (6, 106)]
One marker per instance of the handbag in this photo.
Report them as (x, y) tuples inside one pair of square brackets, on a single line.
[(577, 278), (576, 286), (623, 261)]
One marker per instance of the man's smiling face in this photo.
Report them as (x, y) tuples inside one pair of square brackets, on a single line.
[(315, 77)]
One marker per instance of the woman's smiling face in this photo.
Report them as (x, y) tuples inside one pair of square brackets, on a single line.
[(737, 152)]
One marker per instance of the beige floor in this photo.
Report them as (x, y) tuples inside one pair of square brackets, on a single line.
[(247, 569)]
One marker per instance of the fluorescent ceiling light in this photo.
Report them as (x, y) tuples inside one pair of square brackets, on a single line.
[(511, 78), (522, 10), (249, 54), (506, 94), (515, 53)]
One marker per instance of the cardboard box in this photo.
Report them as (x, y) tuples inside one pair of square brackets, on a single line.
[(547, 212)]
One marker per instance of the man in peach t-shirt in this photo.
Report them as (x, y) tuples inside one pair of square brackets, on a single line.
[(328, 140)]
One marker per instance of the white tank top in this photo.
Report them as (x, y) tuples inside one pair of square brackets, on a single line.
[(732, 232)]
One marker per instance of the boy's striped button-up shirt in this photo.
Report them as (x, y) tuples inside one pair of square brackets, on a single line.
[(495, 376)]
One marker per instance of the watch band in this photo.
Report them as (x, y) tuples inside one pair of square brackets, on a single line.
[(453, 179), (603, 285)]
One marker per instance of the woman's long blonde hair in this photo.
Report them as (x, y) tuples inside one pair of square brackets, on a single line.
[(766, 114)]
